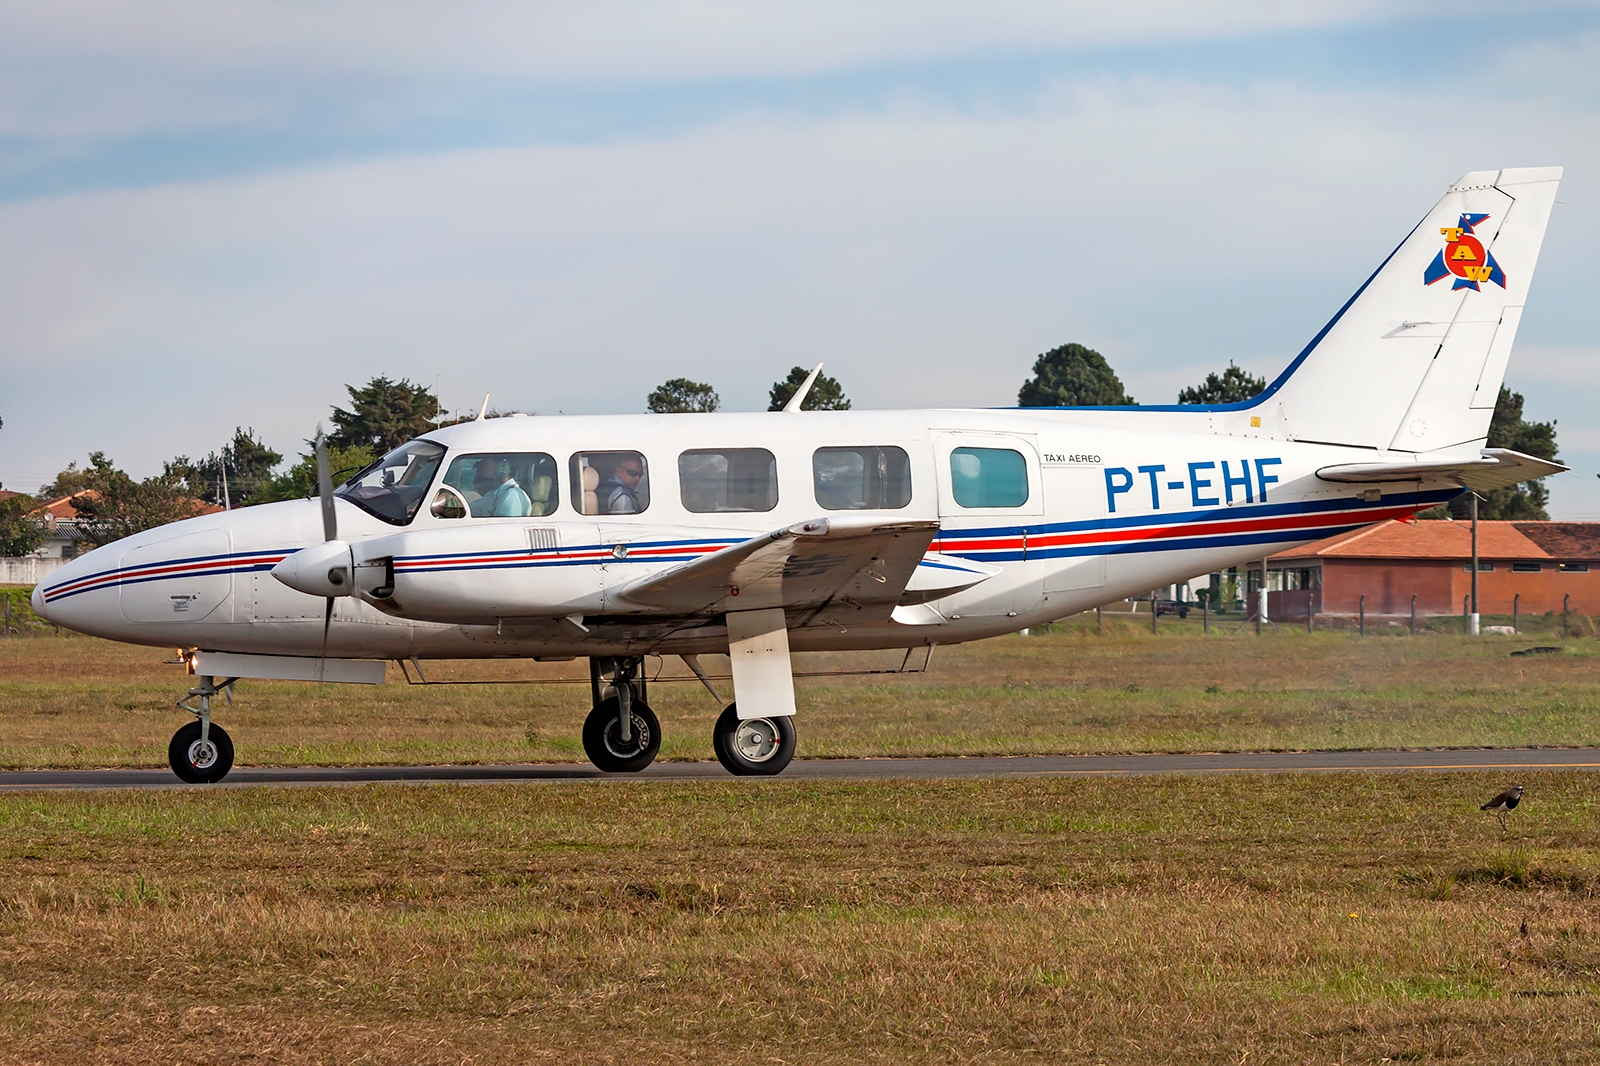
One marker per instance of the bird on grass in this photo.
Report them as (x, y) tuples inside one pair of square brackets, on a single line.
[(1501, 804)]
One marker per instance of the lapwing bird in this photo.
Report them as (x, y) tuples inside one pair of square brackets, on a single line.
[(1506, 801)]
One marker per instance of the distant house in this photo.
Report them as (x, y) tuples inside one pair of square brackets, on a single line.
[(1535, 565), (64, 537)]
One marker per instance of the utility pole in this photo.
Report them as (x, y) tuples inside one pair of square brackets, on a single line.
[(1474, 627), (1261, 600)]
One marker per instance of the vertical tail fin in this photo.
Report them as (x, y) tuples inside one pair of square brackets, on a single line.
[(1413, 361)]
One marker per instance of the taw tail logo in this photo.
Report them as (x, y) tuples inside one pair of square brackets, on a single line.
[(1465, 257)]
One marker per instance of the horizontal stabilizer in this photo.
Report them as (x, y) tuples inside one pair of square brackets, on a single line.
[(1497, 468), (864, 564)]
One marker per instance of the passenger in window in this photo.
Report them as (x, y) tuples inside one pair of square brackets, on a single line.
[(504, 498), (619, 492), (478, 484), (461, 477)]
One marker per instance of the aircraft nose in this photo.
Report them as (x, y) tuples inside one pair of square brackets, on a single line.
[(69, 596)]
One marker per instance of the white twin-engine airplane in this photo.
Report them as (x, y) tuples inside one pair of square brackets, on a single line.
[(754, 535)]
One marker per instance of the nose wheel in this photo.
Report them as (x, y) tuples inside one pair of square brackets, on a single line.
[(202, 752), (200, 760)]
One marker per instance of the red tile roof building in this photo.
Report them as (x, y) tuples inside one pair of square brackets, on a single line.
[(1537, 566), (63, 538)]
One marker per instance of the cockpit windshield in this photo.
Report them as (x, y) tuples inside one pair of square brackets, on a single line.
[(393, 487)]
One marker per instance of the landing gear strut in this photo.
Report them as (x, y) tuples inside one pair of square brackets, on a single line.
[(202, 752), (622, 733)]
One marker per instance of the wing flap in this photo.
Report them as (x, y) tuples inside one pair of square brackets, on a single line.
[(1495, 469)]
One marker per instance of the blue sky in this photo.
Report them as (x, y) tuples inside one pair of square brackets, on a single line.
[(218, 214)]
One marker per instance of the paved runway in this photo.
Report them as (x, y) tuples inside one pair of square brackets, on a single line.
[(1502, 761)]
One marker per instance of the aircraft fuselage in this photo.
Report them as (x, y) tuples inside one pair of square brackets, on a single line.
[(1091, 510)]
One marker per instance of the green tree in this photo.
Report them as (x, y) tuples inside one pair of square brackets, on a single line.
[(19, 534), (682, 396), (383, 415), (248, 463), (117, 506), (72, 480), (825, 394), (299, 482), (1073, 376), (1508, 429), (1233, 385), (493, 412)]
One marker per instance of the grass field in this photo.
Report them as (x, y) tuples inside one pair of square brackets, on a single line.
[(78, 701), (1340, 918), (1236, 919)]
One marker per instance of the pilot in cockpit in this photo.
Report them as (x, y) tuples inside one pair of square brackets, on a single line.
[(499, 494)]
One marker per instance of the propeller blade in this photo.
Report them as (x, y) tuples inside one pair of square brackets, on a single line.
[(330, 521)]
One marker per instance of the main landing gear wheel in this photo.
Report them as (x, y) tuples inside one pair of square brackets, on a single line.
[(602, 737), (754, 747), (200, 762)]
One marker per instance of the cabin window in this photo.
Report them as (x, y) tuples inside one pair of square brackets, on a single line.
[(497, 485), (722, 480), (448, 503), (610, 482), (861, 479), (1573, 568), (392, 489), (988, 477), (1525, 568)]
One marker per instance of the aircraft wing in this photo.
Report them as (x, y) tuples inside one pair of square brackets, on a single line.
[(860, 565), (1495, 469)]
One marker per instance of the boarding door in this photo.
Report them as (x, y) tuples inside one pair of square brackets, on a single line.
[(1069, 546), (991, 494)]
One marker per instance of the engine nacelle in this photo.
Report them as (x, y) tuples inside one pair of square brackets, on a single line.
[(325, 570)]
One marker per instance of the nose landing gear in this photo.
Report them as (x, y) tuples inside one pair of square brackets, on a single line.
[(202, 752)]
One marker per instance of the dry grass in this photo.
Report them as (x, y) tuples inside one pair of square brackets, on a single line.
[(76, 701), (1257, 919)]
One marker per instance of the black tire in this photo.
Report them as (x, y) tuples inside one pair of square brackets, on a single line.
[(195, 766), (742, 758), (602, 737)]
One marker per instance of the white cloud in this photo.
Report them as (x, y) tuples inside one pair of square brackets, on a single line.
[(926, 254), (82, 67)]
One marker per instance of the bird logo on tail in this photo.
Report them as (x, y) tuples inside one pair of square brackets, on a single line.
[(1465, 257)]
